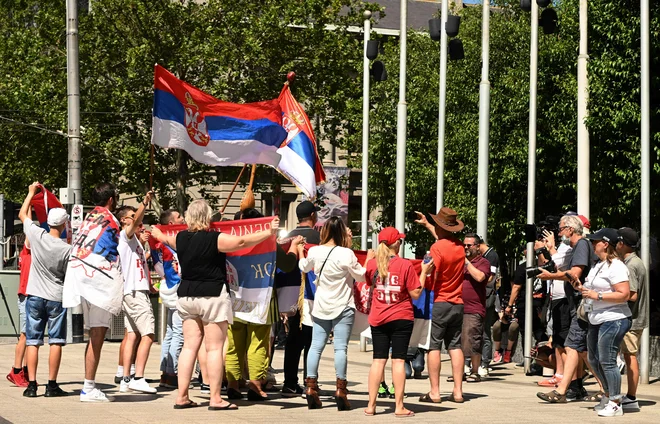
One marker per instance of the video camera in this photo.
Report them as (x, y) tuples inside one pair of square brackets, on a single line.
[(534, 232), (549, 266)]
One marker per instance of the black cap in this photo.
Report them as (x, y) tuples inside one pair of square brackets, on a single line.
[(609, 235), (306, 209), (629, 236)]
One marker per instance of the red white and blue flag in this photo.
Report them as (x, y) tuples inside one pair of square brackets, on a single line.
[(250, 272), (300, 159), (214, 132)]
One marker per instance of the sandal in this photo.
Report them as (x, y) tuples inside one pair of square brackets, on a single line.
[(405, 414), (450, 379), (369, 414), (227, 407), (596, 397), (189, 404), (552, 397), (454, 399), (473, 378), (428, 399)]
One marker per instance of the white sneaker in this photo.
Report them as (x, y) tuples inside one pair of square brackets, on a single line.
[(603, 403), (141, 385), (483, 371), (611, 410), (123, 386), (629, 405), (467, 370), (95, 395)]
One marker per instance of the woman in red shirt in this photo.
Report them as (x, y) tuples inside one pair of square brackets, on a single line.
[(395, 284)]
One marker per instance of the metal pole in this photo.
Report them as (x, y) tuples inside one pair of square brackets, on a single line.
[(73, 101), (401, 128), (2, 231), (646, 178), (583, 132), (365, 134), (531, 176), (484, 126), (440, 191)]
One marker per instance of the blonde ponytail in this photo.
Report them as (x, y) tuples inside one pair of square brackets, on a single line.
[(383, 254)]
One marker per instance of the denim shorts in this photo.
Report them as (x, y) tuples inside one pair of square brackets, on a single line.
[(577, 334), (21, 312), (38, 313)]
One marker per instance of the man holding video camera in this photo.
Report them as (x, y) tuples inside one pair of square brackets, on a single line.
[(569, 387)]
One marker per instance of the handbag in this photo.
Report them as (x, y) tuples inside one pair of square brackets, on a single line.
[(581, 312)]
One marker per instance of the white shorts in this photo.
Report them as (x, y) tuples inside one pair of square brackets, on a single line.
[(94, 316)]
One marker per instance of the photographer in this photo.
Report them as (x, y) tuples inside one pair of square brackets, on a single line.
[(570, 386)]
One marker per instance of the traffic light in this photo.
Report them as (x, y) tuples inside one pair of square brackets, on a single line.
[(455, 46), (378, 71)]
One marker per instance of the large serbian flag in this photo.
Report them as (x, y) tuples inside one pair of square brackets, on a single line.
[(250, 272), (300, 159), (212, 131)]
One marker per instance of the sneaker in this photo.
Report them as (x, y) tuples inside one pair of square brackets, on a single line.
[(95, 395), (391, 392), (31, 391), (118, 379), (141, 385), (171, 382), (497, 357), (603, 403), (507, 357), (123, 386), (629, 405), (611, 410), (55, 391), (550, 382), (17, 379), (205, 389), (483, 371), (575, 395), (289, 392), (383, 390)]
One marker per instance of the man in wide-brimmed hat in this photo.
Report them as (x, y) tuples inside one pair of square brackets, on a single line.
[(447, 318)]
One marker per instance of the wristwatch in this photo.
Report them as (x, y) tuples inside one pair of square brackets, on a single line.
[(600, 295)]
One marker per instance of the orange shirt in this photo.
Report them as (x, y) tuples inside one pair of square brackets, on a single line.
[(449, 259)]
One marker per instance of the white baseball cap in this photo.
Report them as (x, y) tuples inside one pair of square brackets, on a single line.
[(57, 216)]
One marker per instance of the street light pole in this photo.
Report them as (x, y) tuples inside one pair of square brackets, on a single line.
[(484, 126), (440, 191), (364, 229), (401, 129), (73, 102), (646, 176), (531, 174), (583, 133)]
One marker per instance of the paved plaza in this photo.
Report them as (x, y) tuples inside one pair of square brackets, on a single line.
[(508, 396)]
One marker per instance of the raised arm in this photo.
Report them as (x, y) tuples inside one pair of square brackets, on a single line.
[(139, 215), (26, 210), (421, 220), (229, 243), (165, 239)]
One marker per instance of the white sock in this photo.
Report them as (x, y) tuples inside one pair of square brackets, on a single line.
[(132, 369), (88, 385), (120, 371)]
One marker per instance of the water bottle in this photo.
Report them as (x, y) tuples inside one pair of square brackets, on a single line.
[(427, 259)]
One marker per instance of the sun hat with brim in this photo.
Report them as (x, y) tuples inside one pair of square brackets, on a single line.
[(609, 235), (447, 220), (390, 235)]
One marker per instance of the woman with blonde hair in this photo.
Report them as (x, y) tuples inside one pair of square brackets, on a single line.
[(606, 291), (204, 303), (395, 284), (336, 268)]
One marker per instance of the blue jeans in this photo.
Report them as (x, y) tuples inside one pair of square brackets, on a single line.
[(603, 342), (38, 313), (172, 343), (342, 326)]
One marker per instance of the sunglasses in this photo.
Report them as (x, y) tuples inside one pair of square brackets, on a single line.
[(468, 245)]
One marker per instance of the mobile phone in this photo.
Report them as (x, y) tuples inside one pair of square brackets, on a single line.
[(412, 216)]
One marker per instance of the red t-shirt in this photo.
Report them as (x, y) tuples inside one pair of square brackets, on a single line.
[(474, 292), (449, 259), (391, 300), (24, 262)]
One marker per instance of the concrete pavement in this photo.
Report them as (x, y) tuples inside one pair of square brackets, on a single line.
[(508, 396)]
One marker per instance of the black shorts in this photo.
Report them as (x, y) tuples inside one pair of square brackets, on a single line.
[(395, 334), (446, 325), (561, 321)]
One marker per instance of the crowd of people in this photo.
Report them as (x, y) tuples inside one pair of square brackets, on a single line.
[(589, 304)]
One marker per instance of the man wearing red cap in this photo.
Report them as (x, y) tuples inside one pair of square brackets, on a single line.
[(447, 318)]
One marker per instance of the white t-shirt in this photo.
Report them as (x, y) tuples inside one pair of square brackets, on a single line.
[(562, 259), (334, 289), (602, 277), (133, 264)]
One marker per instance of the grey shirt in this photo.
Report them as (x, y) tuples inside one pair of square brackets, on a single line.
[(50, 256), (639, 308)]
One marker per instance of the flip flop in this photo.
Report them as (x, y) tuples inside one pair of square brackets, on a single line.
[(190, 404), (451, 398), (369, 414), (406, 415), (428, 399), (227, 407)]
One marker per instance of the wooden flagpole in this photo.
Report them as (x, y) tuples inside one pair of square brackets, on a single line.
[(232, 189)]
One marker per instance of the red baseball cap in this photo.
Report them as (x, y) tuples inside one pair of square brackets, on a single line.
[(390, 235), (585, 221)]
